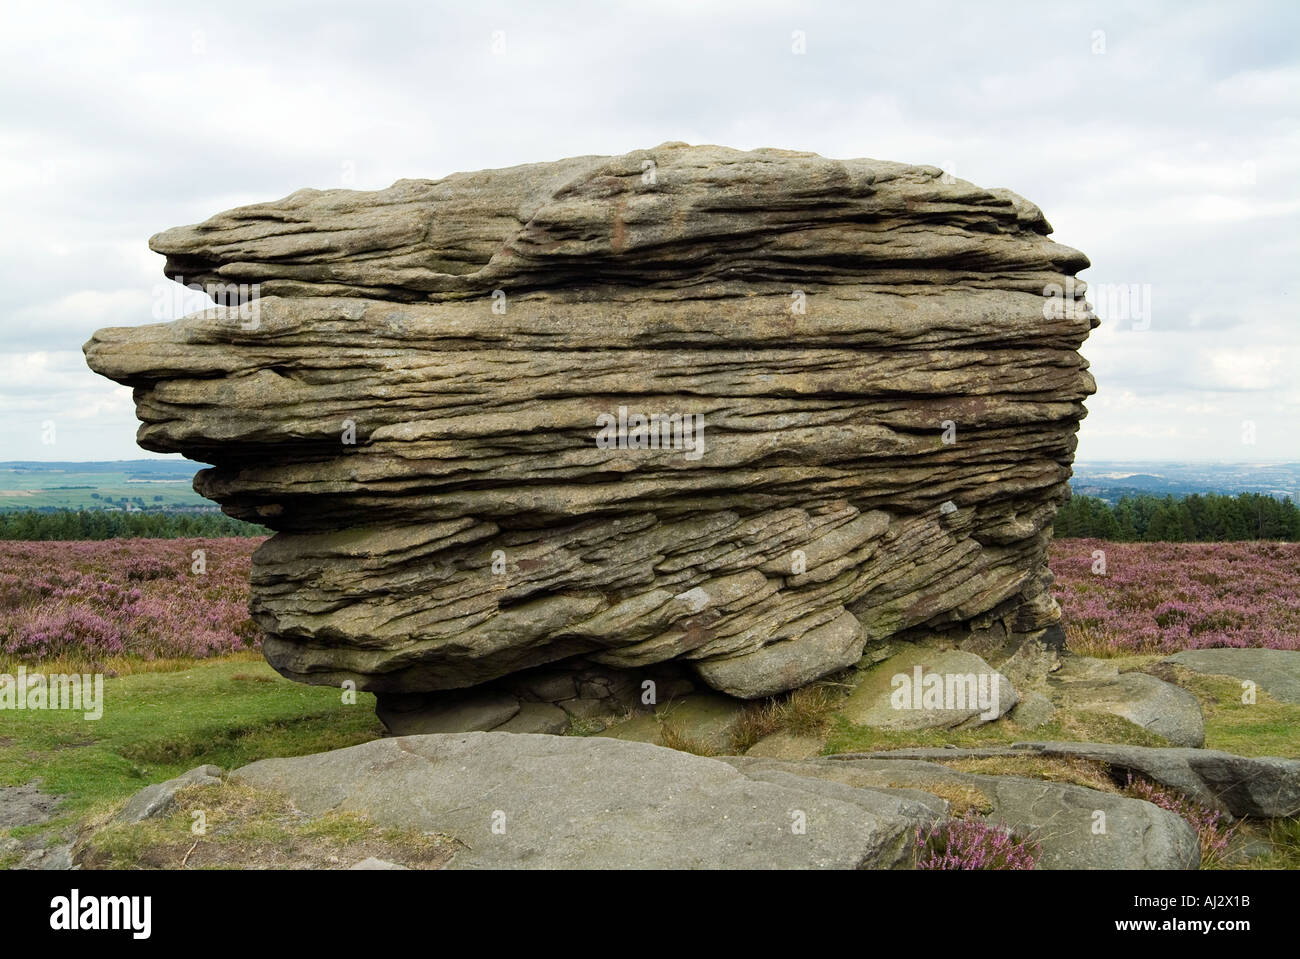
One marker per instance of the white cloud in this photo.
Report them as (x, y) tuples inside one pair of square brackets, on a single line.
[(1278, 86), (1172, 160)]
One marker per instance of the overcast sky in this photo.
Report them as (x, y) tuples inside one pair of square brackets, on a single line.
[(1162, 139)]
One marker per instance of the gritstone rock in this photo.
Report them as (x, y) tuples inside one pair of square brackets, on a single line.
[(865, 377)]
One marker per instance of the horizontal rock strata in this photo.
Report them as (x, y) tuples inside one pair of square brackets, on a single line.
[(885, 406)]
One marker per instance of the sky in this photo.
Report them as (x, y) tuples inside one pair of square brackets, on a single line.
[(1161, 138)]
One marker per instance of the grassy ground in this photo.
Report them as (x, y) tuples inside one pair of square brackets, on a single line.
[(156, 725), (167, 716), (1264, 728), (73, 489), (243, 828)]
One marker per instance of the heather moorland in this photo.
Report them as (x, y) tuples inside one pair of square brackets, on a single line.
[(119, 601)]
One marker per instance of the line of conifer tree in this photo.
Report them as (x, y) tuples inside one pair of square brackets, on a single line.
[(1140, 518), (1209, 518), (66, 524)]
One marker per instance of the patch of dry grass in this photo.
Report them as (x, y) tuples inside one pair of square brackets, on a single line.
[(1079, 772), (674, 738), (114, 666), (961, 798), (803, 712), (248, 828)]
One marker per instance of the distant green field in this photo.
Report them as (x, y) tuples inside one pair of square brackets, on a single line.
[(162, 484)]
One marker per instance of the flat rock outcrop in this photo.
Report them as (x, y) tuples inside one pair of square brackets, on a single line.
[(745, 411), (1276, 671), (567, 802), (1061, 817), (546, 802), (1162, 708), (1262, 786)]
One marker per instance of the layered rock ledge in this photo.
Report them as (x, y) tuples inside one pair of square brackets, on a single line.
[(881, 363)]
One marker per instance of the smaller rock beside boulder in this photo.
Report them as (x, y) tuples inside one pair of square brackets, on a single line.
[(1276, 671), (1172, 713), (1033, 710), (158, 799), (700, 722), (789, 664), (924, 688), (536, 718), (1263, 786), (1061, 817), (56, 857)]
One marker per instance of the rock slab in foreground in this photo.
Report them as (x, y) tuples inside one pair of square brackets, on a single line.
[(1264, 786), (883, 363), (587, 803), (1061, 817)]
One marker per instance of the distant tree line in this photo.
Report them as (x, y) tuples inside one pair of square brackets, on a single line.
[(1140, 518), (100, 524), (1209, 518)]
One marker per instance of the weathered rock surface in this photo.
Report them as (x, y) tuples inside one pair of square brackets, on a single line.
[(1163, 708), (922, 688), (1033, 710), (159, 798), (1061, 817), (888, 401), (1276, 671), (703, 720), (552, 802), (536, 718), (1264, 786), (786, 745), (56, 857)]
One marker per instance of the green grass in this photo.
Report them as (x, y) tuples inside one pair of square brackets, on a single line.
[(246, 826), (157, 725), (1265, 728), (37, 489), (1284, 836)]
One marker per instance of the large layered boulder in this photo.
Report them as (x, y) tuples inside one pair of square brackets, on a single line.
[(865, 378)]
